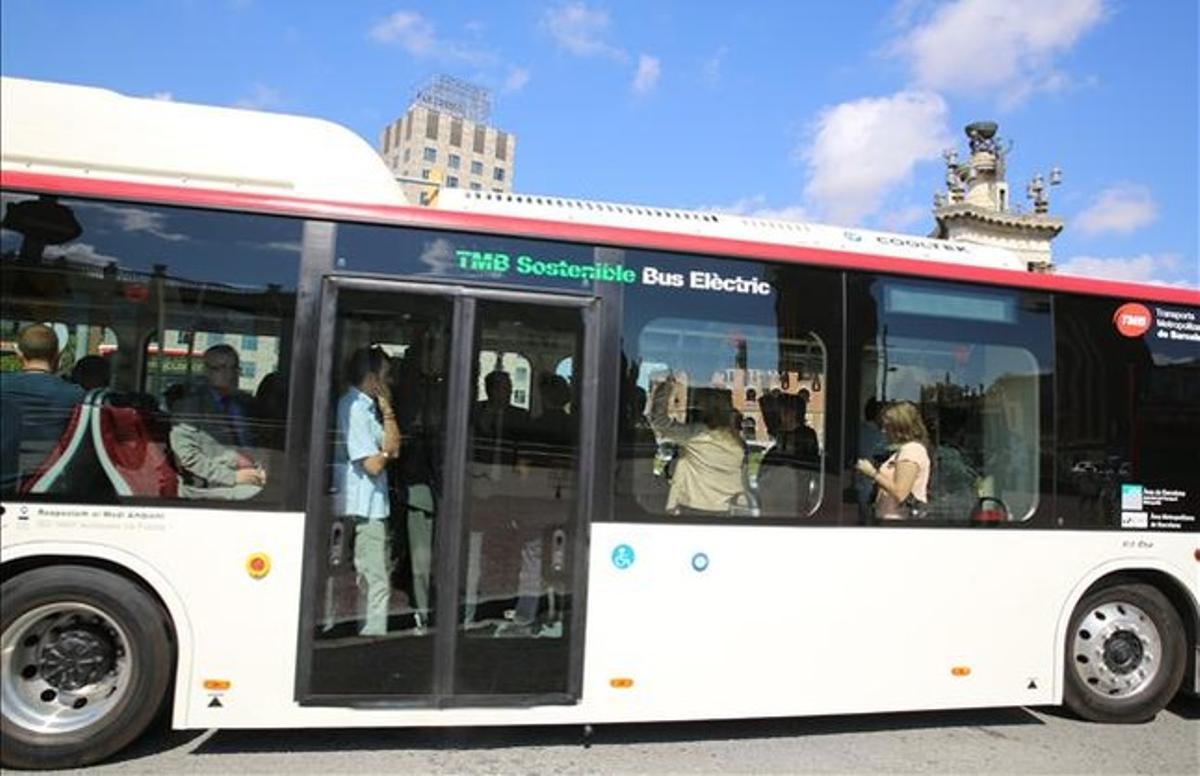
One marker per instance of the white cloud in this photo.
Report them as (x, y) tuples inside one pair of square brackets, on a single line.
[(134, 219), (1164, 269), (1008, 46), (1119, 209), (417, 36), (899, 220), (262, 97), (516, 79), (710, 69), (163, 96), (409, 29), (581, 30), (755, 206), (83, 253), (439, 256), (648, 71), (861, 150)]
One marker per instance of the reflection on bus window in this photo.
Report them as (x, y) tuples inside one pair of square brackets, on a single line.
[(977, 399), (197, 415), (737, 415)]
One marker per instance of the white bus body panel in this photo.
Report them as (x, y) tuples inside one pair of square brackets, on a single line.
[(781, 621), (61, 129)]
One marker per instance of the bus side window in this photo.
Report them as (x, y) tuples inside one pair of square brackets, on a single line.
[(973, 363), (204, 279)]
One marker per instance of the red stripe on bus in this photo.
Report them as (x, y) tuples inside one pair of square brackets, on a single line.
[(515, 226)]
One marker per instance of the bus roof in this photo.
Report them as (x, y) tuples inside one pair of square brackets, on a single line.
[(731, 227), (61, 129)]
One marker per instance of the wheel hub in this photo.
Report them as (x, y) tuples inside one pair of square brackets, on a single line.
[(1116, 650), (78, 656), (1123, 652)]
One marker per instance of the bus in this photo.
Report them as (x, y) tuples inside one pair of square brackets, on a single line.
[(281, 450)]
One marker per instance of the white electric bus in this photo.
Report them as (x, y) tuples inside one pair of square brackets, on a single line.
[(631, 479)]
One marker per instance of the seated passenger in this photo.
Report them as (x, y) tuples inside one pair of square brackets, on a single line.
[(36, 405), (788, 476), (707, 476), (903, 479), (210, 437), (91, 372)]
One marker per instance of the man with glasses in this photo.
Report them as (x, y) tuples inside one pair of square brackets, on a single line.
[(211, 437)]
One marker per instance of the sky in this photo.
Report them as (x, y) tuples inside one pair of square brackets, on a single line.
[(817, 110)]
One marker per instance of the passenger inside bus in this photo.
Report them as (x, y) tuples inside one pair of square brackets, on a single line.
[(902, 481), (789, 475), (369, 438), (92, 372), (36, 405), (211, 436), (707, 477), (418, 410)]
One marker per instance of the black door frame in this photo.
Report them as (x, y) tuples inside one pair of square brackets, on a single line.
[(448, 553)]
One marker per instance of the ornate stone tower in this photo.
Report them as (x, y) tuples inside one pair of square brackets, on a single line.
[(975, 206)]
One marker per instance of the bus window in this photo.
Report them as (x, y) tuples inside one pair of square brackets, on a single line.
[(197, 416), (1129, 416), (968, 361), (725, 395)]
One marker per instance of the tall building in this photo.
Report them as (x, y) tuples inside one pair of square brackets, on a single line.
[(976, 208), (444, 137)]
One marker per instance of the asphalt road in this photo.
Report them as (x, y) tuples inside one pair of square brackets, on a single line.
[(1017, 740)]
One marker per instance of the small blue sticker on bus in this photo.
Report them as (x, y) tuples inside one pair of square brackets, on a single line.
[(622, 556), (699, 561)]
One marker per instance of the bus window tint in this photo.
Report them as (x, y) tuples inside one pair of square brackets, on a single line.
[(1129, 416), (195, 414), (726, 394), (969, 361)]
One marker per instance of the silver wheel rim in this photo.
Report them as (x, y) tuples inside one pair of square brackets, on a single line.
[(63, 666), (1117, 650)]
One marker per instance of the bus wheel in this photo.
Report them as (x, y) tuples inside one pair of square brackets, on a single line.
[(85, 661), (1125, 654)]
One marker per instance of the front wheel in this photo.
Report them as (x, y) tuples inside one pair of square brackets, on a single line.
[(1125, 654), (85, 662)]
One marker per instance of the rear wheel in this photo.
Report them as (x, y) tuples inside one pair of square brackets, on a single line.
[(1125, 654), (85, 661)]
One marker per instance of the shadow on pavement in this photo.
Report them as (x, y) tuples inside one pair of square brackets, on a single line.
[(374, 739)]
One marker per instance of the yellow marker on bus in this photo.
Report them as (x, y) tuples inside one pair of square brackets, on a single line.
[(961, 671), (620, 683), (217, 684), (258, 565)]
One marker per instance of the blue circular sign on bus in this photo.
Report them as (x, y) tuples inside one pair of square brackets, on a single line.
[(622, 556), (700, 561)]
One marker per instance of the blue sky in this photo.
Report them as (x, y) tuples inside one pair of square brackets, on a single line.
[(827, 111)]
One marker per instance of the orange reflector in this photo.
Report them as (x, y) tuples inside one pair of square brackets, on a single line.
[(621, 683), (258, 565), (217, 684), (961, 671)]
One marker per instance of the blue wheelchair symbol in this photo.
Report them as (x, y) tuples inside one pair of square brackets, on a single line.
[(622, 556)]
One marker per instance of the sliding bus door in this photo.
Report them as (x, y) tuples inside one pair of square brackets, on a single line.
[(452, 572)]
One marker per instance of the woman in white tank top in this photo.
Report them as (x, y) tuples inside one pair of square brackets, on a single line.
[(906, 472)]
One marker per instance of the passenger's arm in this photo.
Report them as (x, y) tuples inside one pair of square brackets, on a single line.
[(218, 469), (664, 426), (899, 484)]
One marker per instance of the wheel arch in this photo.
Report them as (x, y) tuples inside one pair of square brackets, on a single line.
[(1165, 578), (23, 558)]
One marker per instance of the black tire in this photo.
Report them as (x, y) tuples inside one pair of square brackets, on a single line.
[(117, 644), (1126, 652)]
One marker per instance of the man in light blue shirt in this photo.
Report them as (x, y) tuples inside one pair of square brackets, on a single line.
[(368, 440)]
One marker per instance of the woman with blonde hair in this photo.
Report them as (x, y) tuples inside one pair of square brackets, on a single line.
[(903, 479)]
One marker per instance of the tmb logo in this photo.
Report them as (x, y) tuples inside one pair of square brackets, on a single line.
[(1132, 319)]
